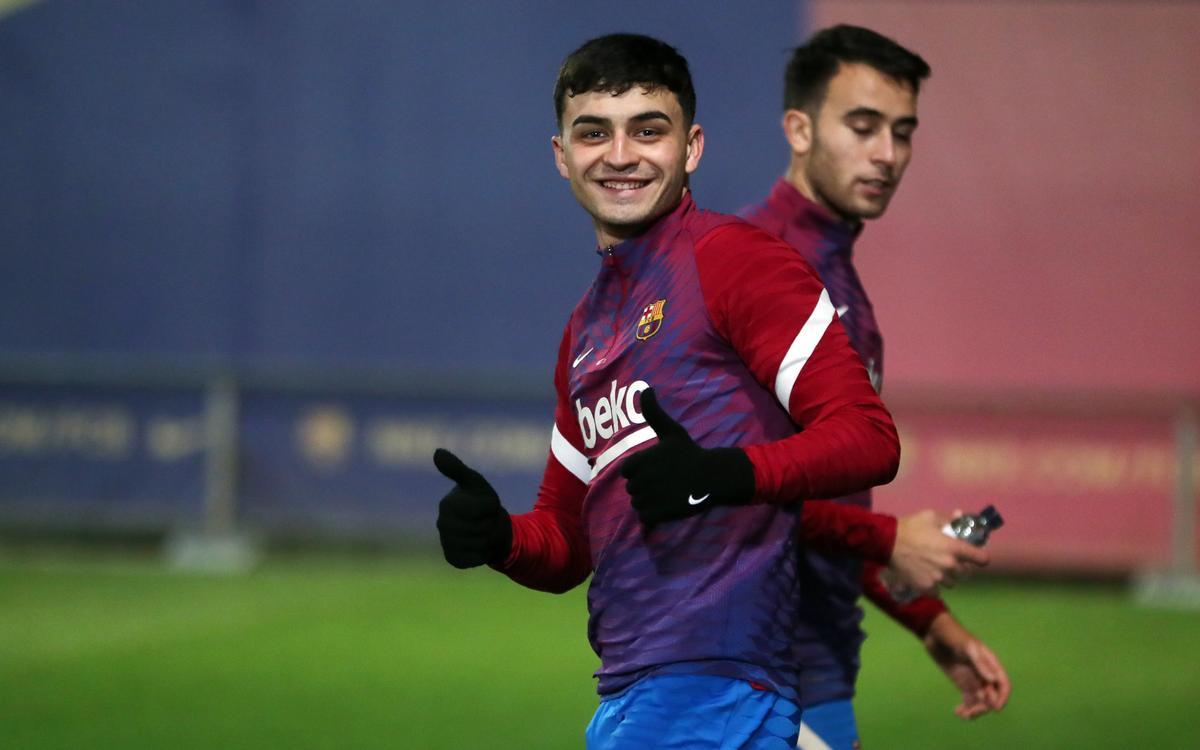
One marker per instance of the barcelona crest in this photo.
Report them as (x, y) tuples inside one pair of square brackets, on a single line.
[(651, 320)]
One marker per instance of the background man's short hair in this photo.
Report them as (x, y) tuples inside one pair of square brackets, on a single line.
[(816, 62), (616, 63)]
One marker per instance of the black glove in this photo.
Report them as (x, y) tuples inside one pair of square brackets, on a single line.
[(474, 527), (677, 478)]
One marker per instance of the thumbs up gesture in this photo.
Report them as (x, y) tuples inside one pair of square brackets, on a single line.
[(677, 478), (474, 527)]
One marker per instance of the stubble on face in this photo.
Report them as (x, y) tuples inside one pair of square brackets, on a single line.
[(861, 142), (627, 157)]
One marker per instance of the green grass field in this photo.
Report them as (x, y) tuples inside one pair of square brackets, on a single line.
[(334, 653)]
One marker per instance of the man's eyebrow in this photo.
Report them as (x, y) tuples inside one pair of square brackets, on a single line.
[(590, 120), (653, 114), (863, 112), (875, 114), (643, 117)]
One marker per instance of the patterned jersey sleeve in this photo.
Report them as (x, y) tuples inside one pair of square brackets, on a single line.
[(550, 549), (771, 307), (834, 528), (915, 615)]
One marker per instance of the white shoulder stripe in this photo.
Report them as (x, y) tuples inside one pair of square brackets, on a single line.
[(802, 348), (621, 447), (570, 458)]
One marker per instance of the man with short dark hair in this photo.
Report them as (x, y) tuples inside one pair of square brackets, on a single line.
[(710, 347), (850, 101)]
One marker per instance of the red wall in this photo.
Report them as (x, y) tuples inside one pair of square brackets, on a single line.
[(1046, 240), (1047, 234), (1080, 492)]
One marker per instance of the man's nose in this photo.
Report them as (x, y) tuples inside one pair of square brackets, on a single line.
[(621, 152), (885, 150)]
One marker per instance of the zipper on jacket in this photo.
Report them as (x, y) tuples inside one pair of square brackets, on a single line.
[(610, 260)]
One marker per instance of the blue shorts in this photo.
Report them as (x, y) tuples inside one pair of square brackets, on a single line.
[(694, 712), (829, 726)]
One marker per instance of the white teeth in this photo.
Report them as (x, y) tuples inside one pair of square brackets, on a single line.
[(622, 185)]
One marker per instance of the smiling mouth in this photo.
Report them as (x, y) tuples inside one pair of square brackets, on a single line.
[(624, 184)]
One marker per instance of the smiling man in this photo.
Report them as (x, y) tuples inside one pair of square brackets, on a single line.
[(850, 113), (627, 182), (703, 392)]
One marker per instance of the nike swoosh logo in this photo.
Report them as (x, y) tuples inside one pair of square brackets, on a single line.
[(841, 311), (580, 358), (697, 500)]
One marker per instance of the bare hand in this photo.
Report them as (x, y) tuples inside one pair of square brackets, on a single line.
[(970, 665), (924, 557)]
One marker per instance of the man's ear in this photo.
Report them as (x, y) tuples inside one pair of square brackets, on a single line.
[(798, 130), (559, 156), (695, 148)]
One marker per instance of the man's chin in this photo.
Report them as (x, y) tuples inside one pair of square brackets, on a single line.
[(868, 211), (627, 221)]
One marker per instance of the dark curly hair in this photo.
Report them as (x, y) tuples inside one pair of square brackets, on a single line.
[(616, 63)]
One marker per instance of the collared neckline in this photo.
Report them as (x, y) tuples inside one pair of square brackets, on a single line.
[(786, 200), (634, 245)]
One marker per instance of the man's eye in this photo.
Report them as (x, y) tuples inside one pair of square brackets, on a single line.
[(904, 136), (592, 134)]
